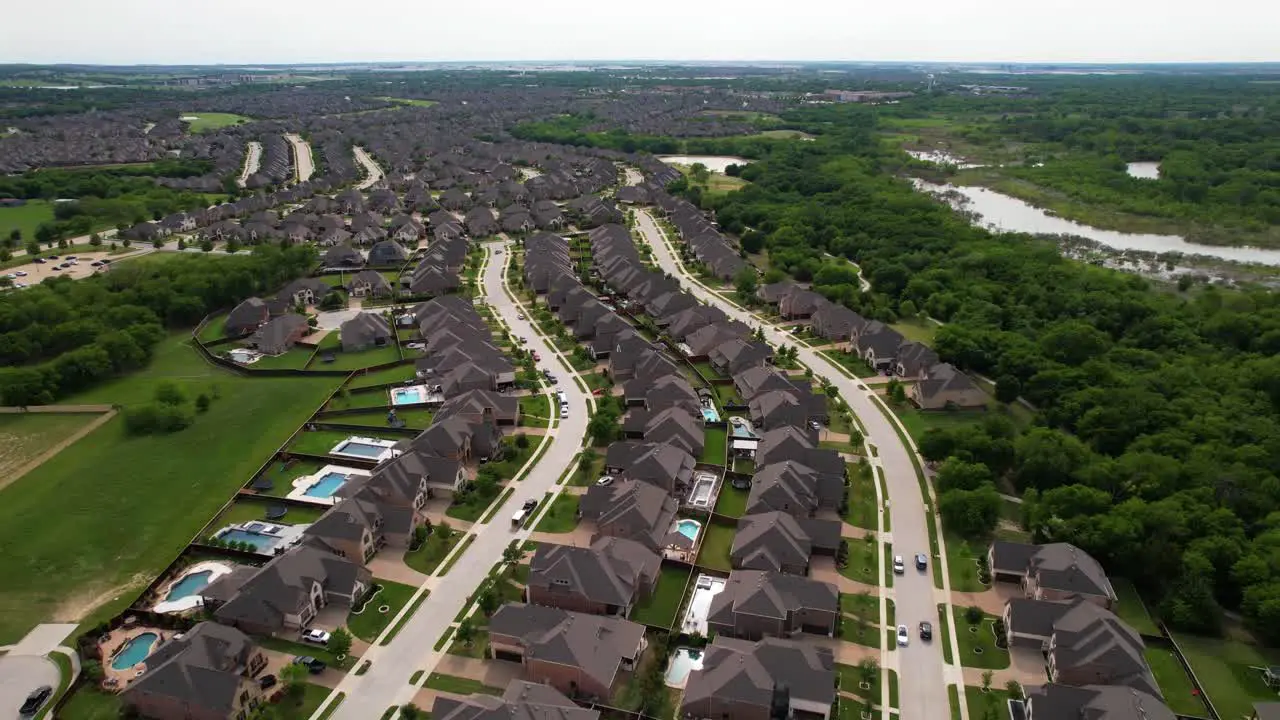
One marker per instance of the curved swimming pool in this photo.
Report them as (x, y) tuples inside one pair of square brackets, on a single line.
[(135, 651), (189, 585)]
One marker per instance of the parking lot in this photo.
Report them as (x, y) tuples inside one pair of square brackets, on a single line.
[(37, 272)]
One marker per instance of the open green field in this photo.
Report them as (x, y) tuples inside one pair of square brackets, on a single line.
[(155, 491), (717, 542), (25, 218), (921, 331), (23, 437), (206, 121), (661, 607), (409, 101), (1230, 671)]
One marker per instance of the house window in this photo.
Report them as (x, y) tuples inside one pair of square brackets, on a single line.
[(560, 581)]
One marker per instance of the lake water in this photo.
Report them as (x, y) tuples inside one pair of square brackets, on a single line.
[(1144, 170), (942, 157), (714, 163), (1009, 214)]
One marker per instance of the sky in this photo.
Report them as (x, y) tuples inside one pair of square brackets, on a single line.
[(126, 32)]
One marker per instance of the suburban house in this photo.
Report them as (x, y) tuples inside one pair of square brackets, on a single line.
[(734, 356), (343, 256), (780, 542), (746, 680), (836, 322), (353, 529), (206, 673), (246, 317), (579, 655), (1057, 571), (756, 604), (478, 405), (944, 386), (366, 330), (673, 426), (877, 344), (632, 510), (369, 283), (459, 438), (604, 579), (665, 466), (793, 488), (286, 593), (521, 701), (436, 476), (387, 252), (1084, 643), (280, 334), (913, 361), (1095, 702), (305, 291)]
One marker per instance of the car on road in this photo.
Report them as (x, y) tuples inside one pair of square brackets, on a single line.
[(12, 276), (72, 257), (903, 637), (522, 339), (21, 273), (267, 681), (564, 412), (35, 700), (519, 316), (318, 637), (96, 263), (106, 261), (926, 631), (40, 261), (536, 356), (530, 504), (606, 480), (313, 666), (899, 567), (922, 561), (53, 257), (553, 379)]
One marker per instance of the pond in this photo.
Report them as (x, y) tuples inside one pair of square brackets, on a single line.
[(714, 163), (1143, 170), (1003, 213), (942, 157)]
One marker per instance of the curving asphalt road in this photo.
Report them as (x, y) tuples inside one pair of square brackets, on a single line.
[(303, 166), (373, 173), (387, 681), (922, 674), (252, 158)]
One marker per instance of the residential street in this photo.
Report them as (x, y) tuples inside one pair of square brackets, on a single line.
[(387, 681), (303, 166), (373, 173), (922, 677), (251, 160)]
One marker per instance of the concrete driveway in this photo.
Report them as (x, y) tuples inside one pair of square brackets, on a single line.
[(19, 675), (387, 681), (923, 690)]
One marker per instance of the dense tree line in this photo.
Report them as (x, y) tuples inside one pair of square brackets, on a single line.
[(1157, 440), (65, 335)]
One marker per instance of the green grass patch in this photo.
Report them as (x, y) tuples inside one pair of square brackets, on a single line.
[(213, 330), (89, 703), (415, 419), (864, 564), (320, 652), (243, 511), (371, 621), (717, 542), (535, 411), (52, 552), (459, 685), (408, 101), (1174, 682), (333, 706), (23, 437), (978, 702), (25, 219), (1229, 672), (941, 633), (428, 557), (206, 121), (1131, 609), (715, 446), (458, 555), (320, 442), (921, 331), (918, 422), (353, 360), (854, 365), (562, 516), (732, 501), (977, 643), (953, 697), (962, 568), (386, 376), (395, 629), (444, 640), (494, 507), (661, 606), (295, 359), (864, 511)]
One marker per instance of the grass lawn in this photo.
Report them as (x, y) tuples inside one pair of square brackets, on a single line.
[(717, 541), (864, 562), (472, 507), (306, 706), (23, 437), (1225, 670), (243, 511), (595, 381), (1174, 682), (320, 652), (962, 569), (855, 365), (979, 637), (25, 218), (205, 121), (921, 331), (426, 558), (562, 516), (354, 360), (979, 701), (861, 623), (1130, 607), (459, 685), (397, 374), (942, 632), (661, 607), (918, 422), (363, 399), (320, 442), (535, 411), (732, 501), (371, 622), (53, 556), (407, 101), (863, 509), (295, 359), (215, 329), (715, 446), (87, 703), (377, 419)]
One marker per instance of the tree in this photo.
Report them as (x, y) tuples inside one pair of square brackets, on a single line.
[(489, 600), (33, 248), (699, 174), (466, 632), (1008, 388), (1046, 458), (409, 711), (340, 642), (294, 678), (95, 240), (957, 474), (868, 669), (522, 441), (202, 403), (745, 283), (169, 393), (970, 513), (511, 554), (1014, 689)]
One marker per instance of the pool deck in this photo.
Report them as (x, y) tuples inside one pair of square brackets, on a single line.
[(701, 479), (115, 641), (304, 483), (190, 602), (695, 618)]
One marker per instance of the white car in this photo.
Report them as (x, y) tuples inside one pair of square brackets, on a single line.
[(519, 316), (564, 412), (21, 273), (899, 567), (319, 637), (903, 638)]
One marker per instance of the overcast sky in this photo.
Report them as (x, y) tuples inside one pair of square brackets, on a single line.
[(292, 31)]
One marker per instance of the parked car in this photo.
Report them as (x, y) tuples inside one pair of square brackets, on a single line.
[(267, 681), (519, 316), (21, 273), (318, 637), (899, 567), (35, 700), (926, 631), (106, 261), (922, 561), (40, 261), (903, 638), (530, 504), (96, 263), (72, 257), (313, 666)]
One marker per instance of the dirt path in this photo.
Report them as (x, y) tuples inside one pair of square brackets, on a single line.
[(44, 456)]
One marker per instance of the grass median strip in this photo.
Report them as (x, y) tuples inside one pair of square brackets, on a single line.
[(333, 706), (459, 553), (405, 618), (497, 505), (444, 640)]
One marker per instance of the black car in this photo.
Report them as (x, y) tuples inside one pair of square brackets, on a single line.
[(40, 261), (267, 681), (314, 666), (35, 700), (926, 631), (530, 504)]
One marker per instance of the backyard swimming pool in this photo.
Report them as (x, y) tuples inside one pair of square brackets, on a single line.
[(710, 415), (325, 486), (409, 395), (683, 661), (704, 590), (365, 448), (741, 428), (188, 585), (320, 488), (259, 541), (689, 529), (135, 651), (701, 494), (184, 593)]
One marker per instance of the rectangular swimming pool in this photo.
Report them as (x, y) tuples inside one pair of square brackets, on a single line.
[(409, 395), (695, 618), (326, 485), (700, 496), (257, 540), (354, 447)]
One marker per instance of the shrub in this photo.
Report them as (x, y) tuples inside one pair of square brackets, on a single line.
[(973, 614), (157, 418), (202, 403)]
